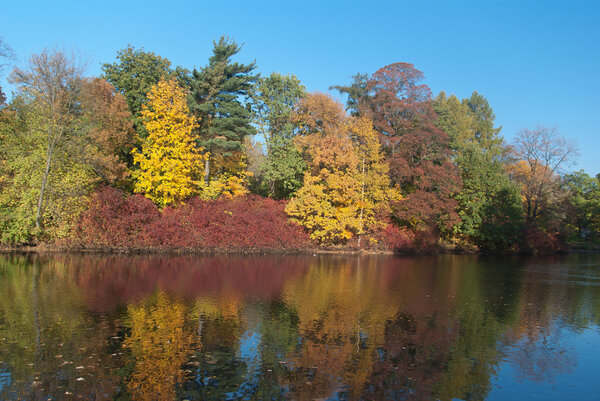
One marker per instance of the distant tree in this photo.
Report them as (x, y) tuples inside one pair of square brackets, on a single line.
[(6, 54), (220, 100), (169, 162), (542, 154), (356, 92), (133, 75)]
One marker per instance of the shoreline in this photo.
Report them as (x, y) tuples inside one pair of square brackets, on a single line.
[(49, 249)]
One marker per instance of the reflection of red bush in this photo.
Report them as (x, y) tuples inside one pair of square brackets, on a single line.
[(117, 220)]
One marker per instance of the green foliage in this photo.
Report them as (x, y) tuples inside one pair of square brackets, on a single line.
[(133, 75), (25, 149), (273, 99), (357, 92), (489, 204), (485, 134), (583, 215), (283, 168), (219, 98)]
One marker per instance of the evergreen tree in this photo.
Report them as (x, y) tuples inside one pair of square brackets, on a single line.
[(219, 98)]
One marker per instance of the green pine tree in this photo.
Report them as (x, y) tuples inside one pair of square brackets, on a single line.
[(219, 98)]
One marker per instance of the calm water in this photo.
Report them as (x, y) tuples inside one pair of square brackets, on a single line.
[(310, 327)]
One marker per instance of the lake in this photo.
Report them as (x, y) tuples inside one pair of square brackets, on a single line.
[(157, 327)]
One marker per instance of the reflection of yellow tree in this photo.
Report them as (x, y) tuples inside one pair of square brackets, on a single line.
[(159, 343), (342, 314)]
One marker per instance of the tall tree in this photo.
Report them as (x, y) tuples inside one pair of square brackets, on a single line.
[(219, 99), (356, 92), (476, 147), (328, 204), (53, 81), (346, 187), (168, 159), (133, 74), (274, 98), (419, 154)]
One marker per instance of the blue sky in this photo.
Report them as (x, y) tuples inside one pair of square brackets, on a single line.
[(537, 62)]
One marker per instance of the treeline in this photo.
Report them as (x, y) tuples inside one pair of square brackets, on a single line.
[(151, 155)]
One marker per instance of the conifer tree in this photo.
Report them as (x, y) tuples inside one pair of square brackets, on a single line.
[(219, 94)]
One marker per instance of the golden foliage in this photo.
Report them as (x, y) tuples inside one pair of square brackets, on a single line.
[(169, 161), (159, 344), (347, 186)]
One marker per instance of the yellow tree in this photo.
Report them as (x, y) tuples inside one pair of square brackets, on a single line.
[(372, 174), (169, 161), (328, 204)]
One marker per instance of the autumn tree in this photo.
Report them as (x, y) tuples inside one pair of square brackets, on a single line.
[(52, 80), (219, 98), (346, 185), (169, 161), (542, 154), (106, 119), (419, 155), (329, 201)]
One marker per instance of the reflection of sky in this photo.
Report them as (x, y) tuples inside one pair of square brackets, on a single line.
[(577, 381), (5, 379), (249, 353)]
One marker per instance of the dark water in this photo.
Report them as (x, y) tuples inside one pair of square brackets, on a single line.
[(312, 327)]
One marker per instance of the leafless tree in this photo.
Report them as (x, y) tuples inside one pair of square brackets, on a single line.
[(52, 80), (543, 154)]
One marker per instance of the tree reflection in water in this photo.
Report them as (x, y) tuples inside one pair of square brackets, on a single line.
[(255, 328)]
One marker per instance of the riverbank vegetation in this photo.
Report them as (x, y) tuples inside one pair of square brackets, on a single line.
[(219, 157)]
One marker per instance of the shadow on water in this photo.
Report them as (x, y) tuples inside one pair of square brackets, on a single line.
[(297, 327)]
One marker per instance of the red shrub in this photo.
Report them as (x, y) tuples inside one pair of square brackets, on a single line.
[(537, 240), (247, 223), (116, 220), (396, 239)]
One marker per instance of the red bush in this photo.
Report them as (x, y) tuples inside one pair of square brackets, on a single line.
[(537, 240), (396, 239), (247, 223), (116, 220)]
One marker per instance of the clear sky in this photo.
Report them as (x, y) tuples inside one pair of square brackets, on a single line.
[(537, 62)]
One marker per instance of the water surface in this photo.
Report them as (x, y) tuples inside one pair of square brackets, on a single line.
[(299, 327)]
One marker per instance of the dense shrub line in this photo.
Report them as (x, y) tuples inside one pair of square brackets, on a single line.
[(117, 220)]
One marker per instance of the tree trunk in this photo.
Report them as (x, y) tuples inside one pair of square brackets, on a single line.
[(207, 170), (362, 203)]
